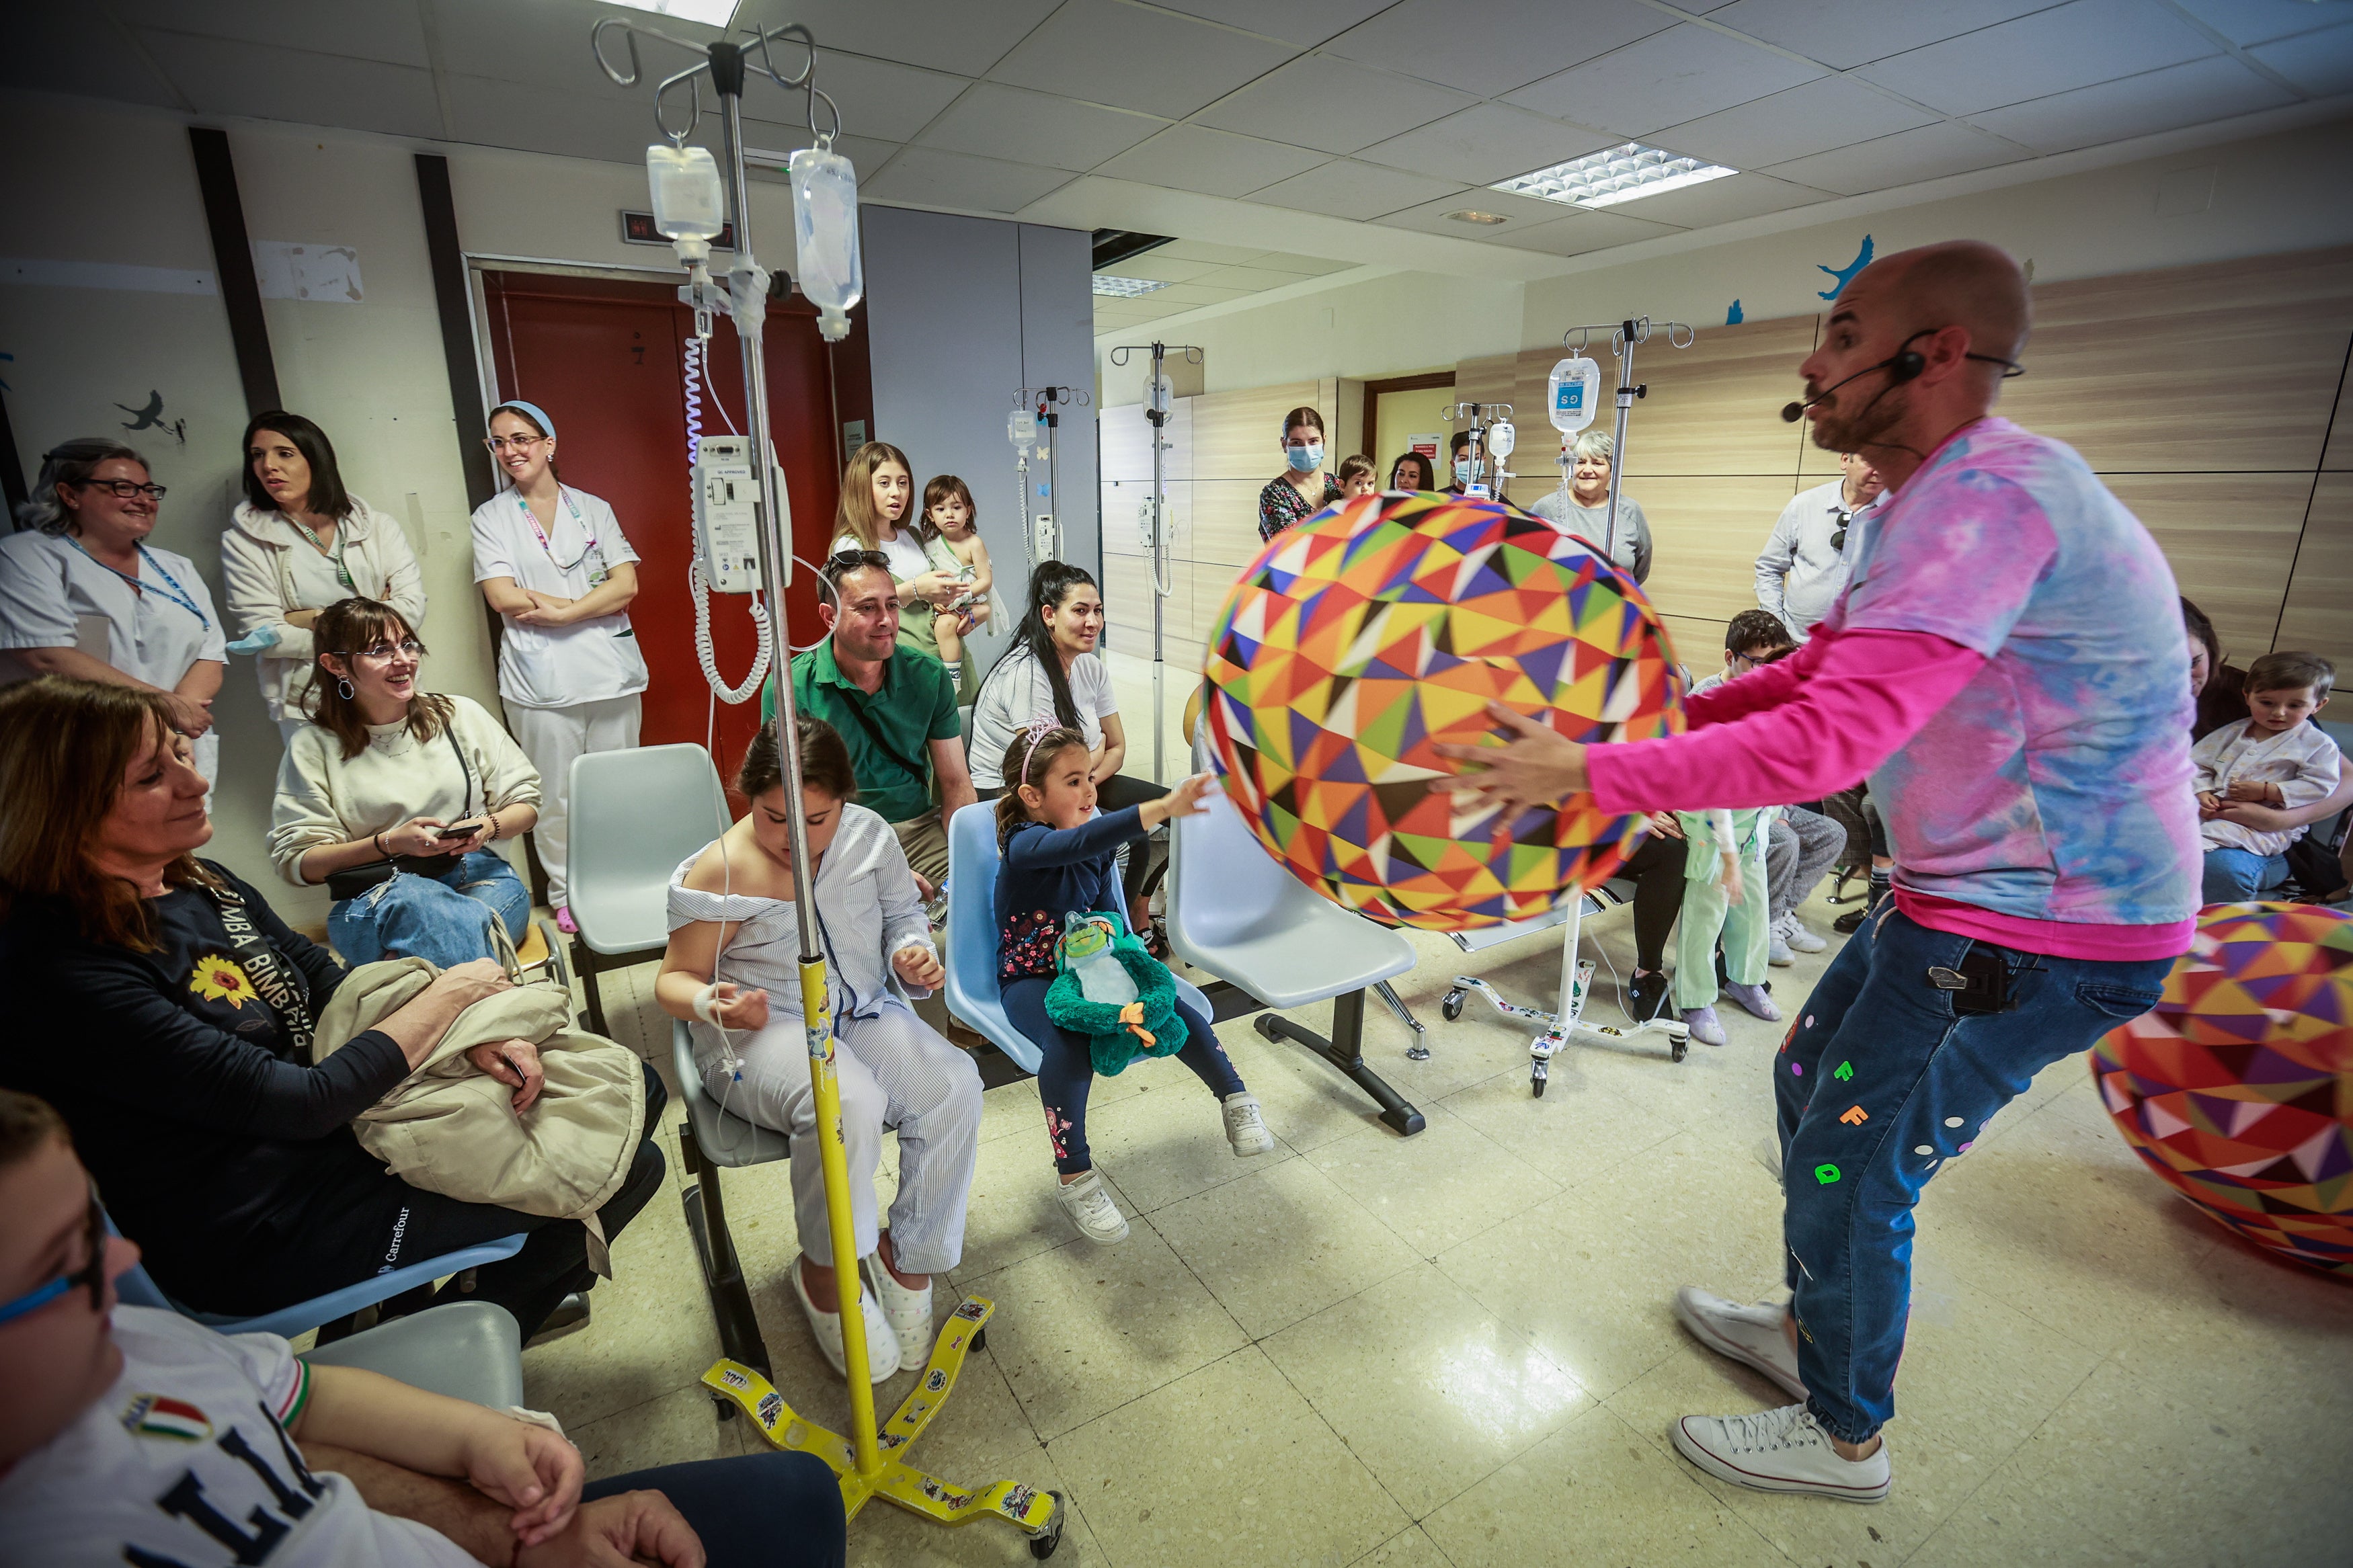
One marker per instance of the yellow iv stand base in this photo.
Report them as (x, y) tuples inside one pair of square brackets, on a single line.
[(860, 1461)]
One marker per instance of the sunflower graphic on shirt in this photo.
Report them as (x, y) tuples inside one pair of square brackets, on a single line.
[(218, 979)]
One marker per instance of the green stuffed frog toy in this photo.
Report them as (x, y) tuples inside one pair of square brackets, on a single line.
[(1114, 993)]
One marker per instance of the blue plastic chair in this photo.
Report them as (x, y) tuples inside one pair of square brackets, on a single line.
[(138, 1288), (972, 994)]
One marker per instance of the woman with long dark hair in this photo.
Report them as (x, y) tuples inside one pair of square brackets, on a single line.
[(298, 542), (1414, 471), (1052, 672)]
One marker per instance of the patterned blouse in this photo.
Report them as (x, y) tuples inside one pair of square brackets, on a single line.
[(1280, 505)]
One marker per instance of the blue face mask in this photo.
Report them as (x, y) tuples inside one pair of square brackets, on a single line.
[(1304, 459), (1461, 470)]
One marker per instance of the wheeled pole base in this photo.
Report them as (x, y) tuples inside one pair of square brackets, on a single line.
[(1348, 1024), (1554, 1033)]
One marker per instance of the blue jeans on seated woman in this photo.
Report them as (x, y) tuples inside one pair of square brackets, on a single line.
[(445, 919), (2242, 876)]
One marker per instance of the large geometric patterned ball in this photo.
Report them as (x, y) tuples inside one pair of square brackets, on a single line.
[(2238, 1087), (1360, 638)]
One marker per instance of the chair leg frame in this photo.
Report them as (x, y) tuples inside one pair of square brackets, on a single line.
[(1345, 1050), (723, 1271)]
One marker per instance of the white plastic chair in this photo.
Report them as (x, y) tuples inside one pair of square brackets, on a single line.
[(1273, 942), (634, 815)]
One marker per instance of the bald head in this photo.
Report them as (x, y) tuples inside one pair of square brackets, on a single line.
[(1961, 283)]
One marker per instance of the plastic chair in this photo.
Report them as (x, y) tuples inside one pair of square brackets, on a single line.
[(140, 1290), (711, 1141), (634, 815), (971, 989), (467, 1350), (1272, 943)]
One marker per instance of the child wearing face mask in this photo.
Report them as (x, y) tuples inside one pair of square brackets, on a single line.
[(1303, 489)]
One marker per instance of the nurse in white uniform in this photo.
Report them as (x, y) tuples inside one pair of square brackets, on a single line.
[(82, 593), (553, 561)]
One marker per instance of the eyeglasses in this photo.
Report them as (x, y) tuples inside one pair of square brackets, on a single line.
[(382, 652), (520, 443), (842, 561), (124, 489), (92, 1273)]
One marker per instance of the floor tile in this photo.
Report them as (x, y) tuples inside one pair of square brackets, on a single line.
[(1280, 1245), (1593, 1492), (676, 1428), (1437, 1188), (1427, 1388), (1307, 1101), (1407, 1549), (1577, 1133), (1227, 1466), (1083, 1329), (882, 1536), (1012, 1212), (649, 1331), (1168, 1142)]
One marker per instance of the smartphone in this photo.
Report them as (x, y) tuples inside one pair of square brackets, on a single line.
[(463, 829)]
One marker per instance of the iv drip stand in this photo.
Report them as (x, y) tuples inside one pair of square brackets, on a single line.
[(858, 1462), (1046, 397), (1156, 537)]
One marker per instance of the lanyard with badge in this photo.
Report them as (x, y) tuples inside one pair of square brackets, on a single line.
[(169, 587), (335, 556), (597, 573)]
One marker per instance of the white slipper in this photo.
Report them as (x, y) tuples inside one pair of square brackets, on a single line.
[(881, 1342), (910, 1313)]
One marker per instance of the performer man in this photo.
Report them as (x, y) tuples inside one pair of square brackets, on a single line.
[(2008, 666)]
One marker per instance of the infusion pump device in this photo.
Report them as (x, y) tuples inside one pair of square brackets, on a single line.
[(727, 514)]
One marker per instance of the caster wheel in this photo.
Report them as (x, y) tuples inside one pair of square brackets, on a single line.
[(727, 1411), (1450, 1009), (1680, 1049), (1537, 1084), (980, 1340), (1043, 1545)]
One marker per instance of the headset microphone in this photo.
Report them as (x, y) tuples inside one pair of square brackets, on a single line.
[(1905, 364)]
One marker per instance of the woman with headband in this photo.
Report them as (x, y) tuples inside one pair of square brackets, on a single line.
[(553, 563)]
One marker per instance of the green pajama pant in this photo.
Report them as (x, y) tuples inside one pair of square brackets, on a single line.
[(1745, 926)]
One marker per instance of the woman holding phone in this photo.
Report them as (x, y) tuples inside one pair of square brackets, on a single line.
[(390, 796)]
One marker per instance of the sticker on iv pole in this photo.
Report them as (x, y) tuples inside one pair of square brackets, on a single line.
[(1854, 1116), (1826, 1175)]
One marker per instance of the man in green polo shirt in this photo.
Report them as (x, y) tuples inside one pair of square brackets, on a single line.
[(895, 710)]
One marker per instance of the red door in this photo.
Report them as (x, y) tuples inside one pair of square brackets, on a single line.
[(606, 360)]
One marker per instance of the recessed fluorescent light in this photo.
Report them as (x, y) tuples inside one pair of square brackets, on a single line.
[(1621, 174), (1472, 215), (1124, 287), (710, 13)]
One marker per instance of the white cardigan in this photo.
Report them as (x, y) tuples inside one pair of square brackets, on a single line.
[(257, 571)]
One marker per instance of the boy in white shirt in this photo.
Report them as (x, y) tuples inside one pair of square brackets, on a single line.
[(2276, 757)]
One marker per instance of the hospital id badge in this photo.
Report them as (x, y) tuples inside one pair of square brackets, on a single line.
[(597, 577)]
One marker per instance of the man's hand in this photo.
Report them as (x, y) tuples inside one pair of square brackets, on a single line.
[(514, 1063), (620, 1531), (1666, 825), (530, 1469), (1537, 765), (919, 967)]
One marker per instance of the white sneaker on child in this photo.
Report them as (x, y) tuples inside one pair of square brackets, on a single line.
[(1756, 1336), (1783, 1451), (881, 1342), (910, 1313), (1245, 1127), (1799, 935), (1092, 1209), (1776, 944)]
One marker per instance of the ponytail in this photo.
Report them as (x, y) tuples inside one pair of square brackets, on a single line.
[(1027, 760)]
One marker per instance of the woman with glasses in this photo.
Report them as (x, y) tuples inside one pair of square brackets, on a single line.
[(390, 796), (83, 594), (1583, 509), (553, 561), (298, 542)]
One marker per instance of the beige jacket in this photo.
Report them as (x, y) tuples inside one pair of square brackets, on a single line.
[(257, 571), (450, 1128)]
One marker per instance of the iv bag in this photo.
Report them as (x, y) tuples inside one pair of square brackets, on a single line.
[(1576, 390), (1021, 430), (1500, 439), (1159, 391), (824, 225), (690, 206)]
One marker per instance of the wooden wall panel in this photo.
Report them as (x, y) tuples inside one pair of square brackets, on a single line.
[(1239, 435), (1126, 452), (1705, 534), (1713, 407), (2229, 539), (1490, 380), (2318, 614), (1225, 521), (2338, 456), (1696, 643)]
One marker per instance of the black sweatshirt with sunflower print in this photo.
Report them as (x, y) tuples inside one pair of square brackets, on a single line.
[(208, 1136)]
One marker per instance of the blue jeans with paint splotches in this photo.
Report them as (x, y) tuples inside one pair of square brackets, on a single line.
[(2235, 876), (444, 918), (1881, 1082)]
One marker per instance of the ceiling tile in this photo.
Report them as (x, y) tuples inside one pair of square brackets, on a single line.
[(1929, 152), (1345, 189), (865, 154), (220, 77), (50, 51), (966, 37), (2260, 21), (1197, 294), (1216, 163), (1302, 22), (1246, 280), (1812, 118), (1664, 80), (2069, 47), (359, 29), (1202, 250), (1012, 123), (1483, 144), (1307, 266), (1137, 58), (877, 98), (2192, 94), (1497, 45), (1843, 33), (545, 42), (2317, 62), (1580, 232), (598, 122), (1159, 267), (1522, 212), (1319, 101), (1727, 200), (925, 176)]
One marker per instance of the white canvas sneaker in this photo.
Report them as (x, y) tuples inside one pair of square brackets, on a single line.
[(1776, 944), (881, 1342), (1245, 1127), (1783, 1451), (1754, 1336), (910, 1313), (1799, 935), (1093, 1208)]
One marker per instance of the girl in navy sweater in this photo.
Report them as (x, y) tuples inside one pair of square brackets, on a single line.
[(1059, 857)]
